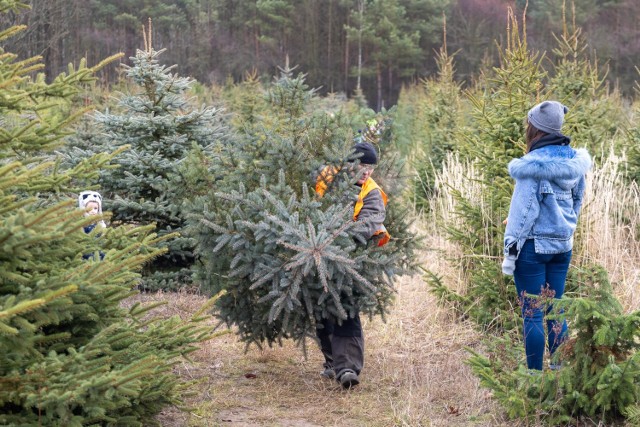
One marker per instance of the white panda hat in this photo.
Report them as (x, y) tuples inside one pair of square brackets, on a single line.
[(90, 196)]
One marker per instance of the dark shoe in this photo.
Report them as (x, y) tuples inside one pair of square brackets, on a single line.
[(328, 373), (349, 379)]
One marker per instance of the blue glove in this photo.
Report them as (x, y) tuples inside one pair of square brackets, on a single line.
[(509, 265)]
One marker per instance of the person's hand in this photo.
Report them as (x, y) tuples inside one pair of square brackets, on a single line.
[(505, 221), (509, 265)]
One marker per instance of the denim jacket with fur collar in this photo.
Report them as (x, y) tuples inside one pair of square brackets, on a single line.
[(547, 198)]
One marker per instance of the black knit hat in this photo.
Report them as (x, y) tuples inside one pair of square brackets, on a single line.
[(366, 153)]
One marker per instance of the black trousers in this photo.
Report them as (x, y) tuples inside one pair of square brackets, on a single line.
[(342, 345)]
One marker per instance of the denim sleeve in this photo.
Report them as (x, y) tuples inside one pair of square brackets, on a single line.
[(578, 192), (523, 212)]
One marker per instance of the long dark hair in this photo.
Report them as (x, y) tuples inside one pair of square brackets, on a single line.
[(532, 135)]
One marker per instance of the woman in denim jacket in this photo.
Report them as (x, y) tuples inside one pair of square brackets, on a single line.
[(546, 201)]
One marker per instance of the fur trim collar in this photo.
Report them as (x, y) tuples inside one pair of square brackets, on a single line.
[(551, 163)]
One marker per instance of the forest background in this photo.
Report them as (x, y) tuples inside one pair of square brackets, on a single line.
[(451, 334), (341, 44)]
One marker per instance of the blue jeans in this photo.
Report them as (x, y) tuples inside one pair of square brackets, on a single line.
[(538, 274)]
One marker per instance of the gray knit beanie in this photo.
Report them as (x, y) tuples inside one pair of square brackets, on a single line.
[(548, 116)]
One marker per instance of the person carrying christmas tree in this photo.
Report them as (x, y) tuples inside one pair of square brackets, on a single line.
[(538, 240), (91, 203), (343, 344)]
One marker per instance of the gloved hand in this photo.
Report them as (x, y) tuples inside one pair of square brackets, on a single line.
[(509, 265)]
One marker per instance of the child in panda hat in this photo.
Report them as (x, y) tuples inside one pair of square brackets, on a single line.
[(91, 203)]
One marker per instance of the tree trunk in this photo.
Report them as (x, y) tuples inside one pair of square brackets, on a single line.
[(329, 46), (256, 35), (346, 61), (361, 12), (379, 84), (389, 82)]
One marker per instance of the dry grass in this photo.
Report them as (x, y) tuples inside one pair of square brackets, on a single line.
[(414, 373), (608, 228)]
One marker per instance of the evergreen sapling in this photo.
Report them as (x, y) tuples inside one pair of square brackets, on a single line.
[(71, 355), (286, 257), (161, 127)]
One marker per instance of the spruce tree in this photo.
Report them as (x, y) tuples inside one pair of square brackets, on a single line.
[(71, 355), (287, 258), (600, 373), (596, 113), (493, 136), (632, 138), (157, 120), (245, 101), (430, 125)]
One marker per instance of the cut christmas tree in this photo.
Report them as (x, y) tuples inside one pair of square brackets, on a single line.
[(287, 257)]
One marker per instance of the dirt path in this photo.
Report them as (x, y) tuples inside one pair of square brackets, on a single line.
[(414, 376)]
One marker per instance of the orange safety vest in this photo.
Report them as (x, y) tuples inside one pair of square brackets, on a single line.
[(326, 176)]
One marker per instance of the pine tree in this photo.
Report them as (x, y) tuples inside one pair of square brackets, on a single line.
[(596, 113), (632, 137), (493, 137), (600, 373), (287, 258), (161, 126), (429, 133), (71, 355), (246, 101)]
